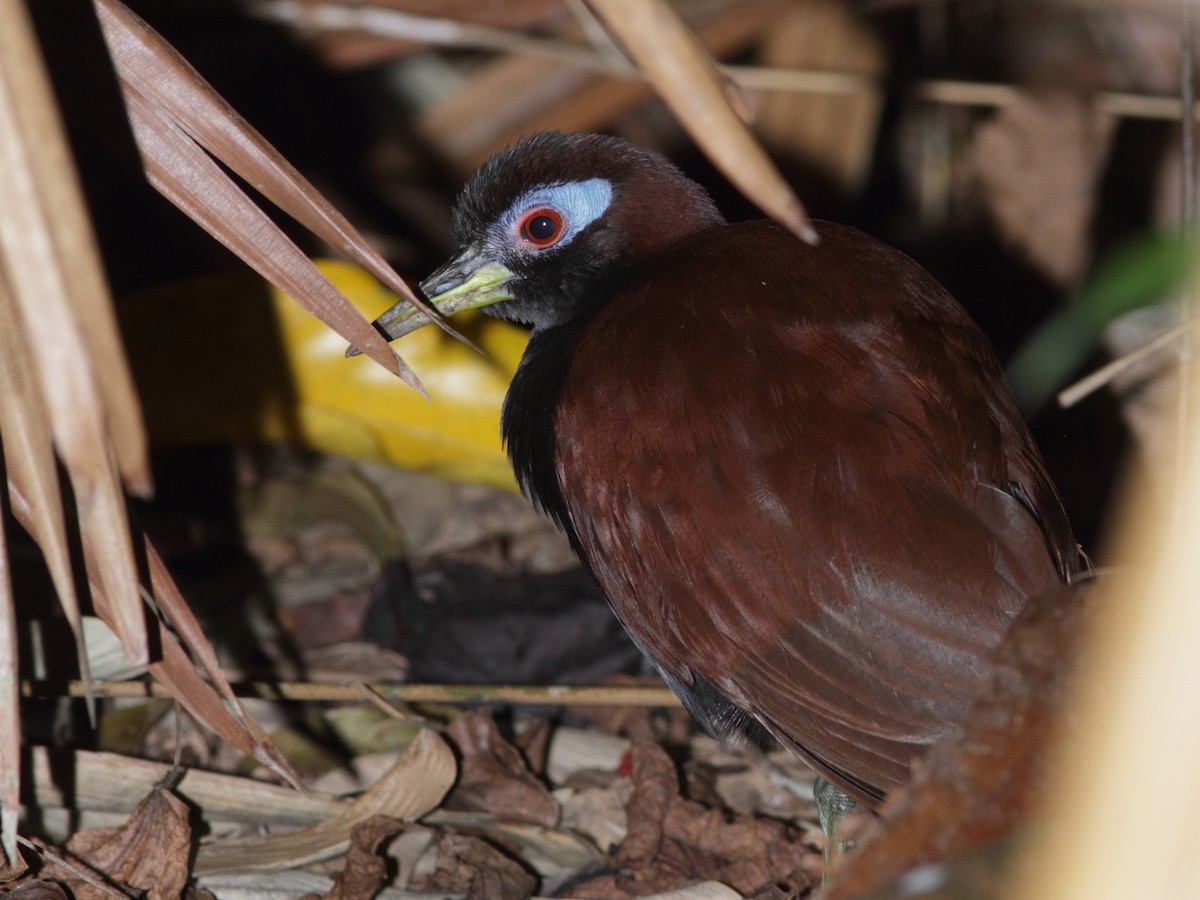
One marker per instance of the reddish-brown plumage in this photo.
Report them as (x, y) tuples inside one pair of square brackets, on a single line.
[(794, 470)]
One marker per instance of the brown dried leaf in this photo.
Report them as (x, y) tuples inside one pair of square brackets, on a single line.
[(673, 842), (13, 868), (178, 673), (744, 852), (472, 866), (1038, 161), (534, 744), (149, 852), (103, 520), (364, 870), (655, 788), (977, 786), (688, 81), (86, 882), (411, 788), (494, 777)]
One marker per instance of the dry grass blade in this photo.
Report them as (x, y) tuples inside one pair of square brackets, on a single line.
[(187, 176), (179, 674), (688, 80), (44, 246), (102, 515), (184, 623), (29, 456), (10, 713), (148, 65)]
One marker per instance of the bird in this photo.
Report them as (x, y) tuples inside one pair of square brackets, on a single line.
[(793, 469)]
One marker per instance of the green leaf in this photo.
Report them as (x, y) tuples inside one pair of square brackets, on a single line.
[(1143, 272)]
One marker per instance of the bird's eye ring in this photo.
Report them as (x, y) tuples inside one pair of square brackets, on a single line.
[(541, 227)]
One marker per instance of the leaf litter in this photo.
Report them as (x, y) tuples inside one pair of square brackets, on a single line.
[(585, 802), (506, 802)]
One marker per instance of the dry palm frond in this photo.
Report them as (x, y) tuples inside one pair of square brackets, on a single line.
[(67, 393), (177, 121), (66, 386)]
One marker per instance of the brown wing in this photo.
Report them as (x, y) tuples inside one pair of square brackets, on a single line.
[(823, 512)]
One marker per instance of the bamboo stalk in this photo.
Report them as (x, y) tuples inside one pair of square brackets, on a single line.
[(347, 692)]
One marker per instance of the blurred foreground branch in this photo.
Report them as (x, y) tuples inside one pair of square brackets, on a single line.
[(446, 32)]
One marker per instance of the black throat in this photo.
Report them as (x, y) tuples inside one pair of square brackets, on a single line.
[(527, 420)]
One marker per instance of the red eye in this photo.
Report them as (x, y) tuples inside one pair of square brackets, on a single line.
[(541, 227)]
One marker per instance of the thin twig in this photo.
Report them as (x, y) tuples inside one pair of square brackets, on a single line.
[(1069, 396), (556, 694), (387, 707), (451, 33)]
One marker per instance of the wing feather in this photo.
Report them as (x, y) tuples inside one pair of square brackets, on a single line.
[(796, 478)]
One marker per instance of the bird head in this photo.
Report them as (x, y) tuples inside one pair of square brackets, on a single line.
[(547, 225)]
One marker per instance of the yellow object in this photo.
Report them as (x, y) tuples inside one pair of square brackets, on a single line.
[(230, 358)]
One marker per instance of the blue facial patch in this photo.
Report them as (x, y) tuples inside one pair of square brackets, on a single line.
[(579, 202)]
